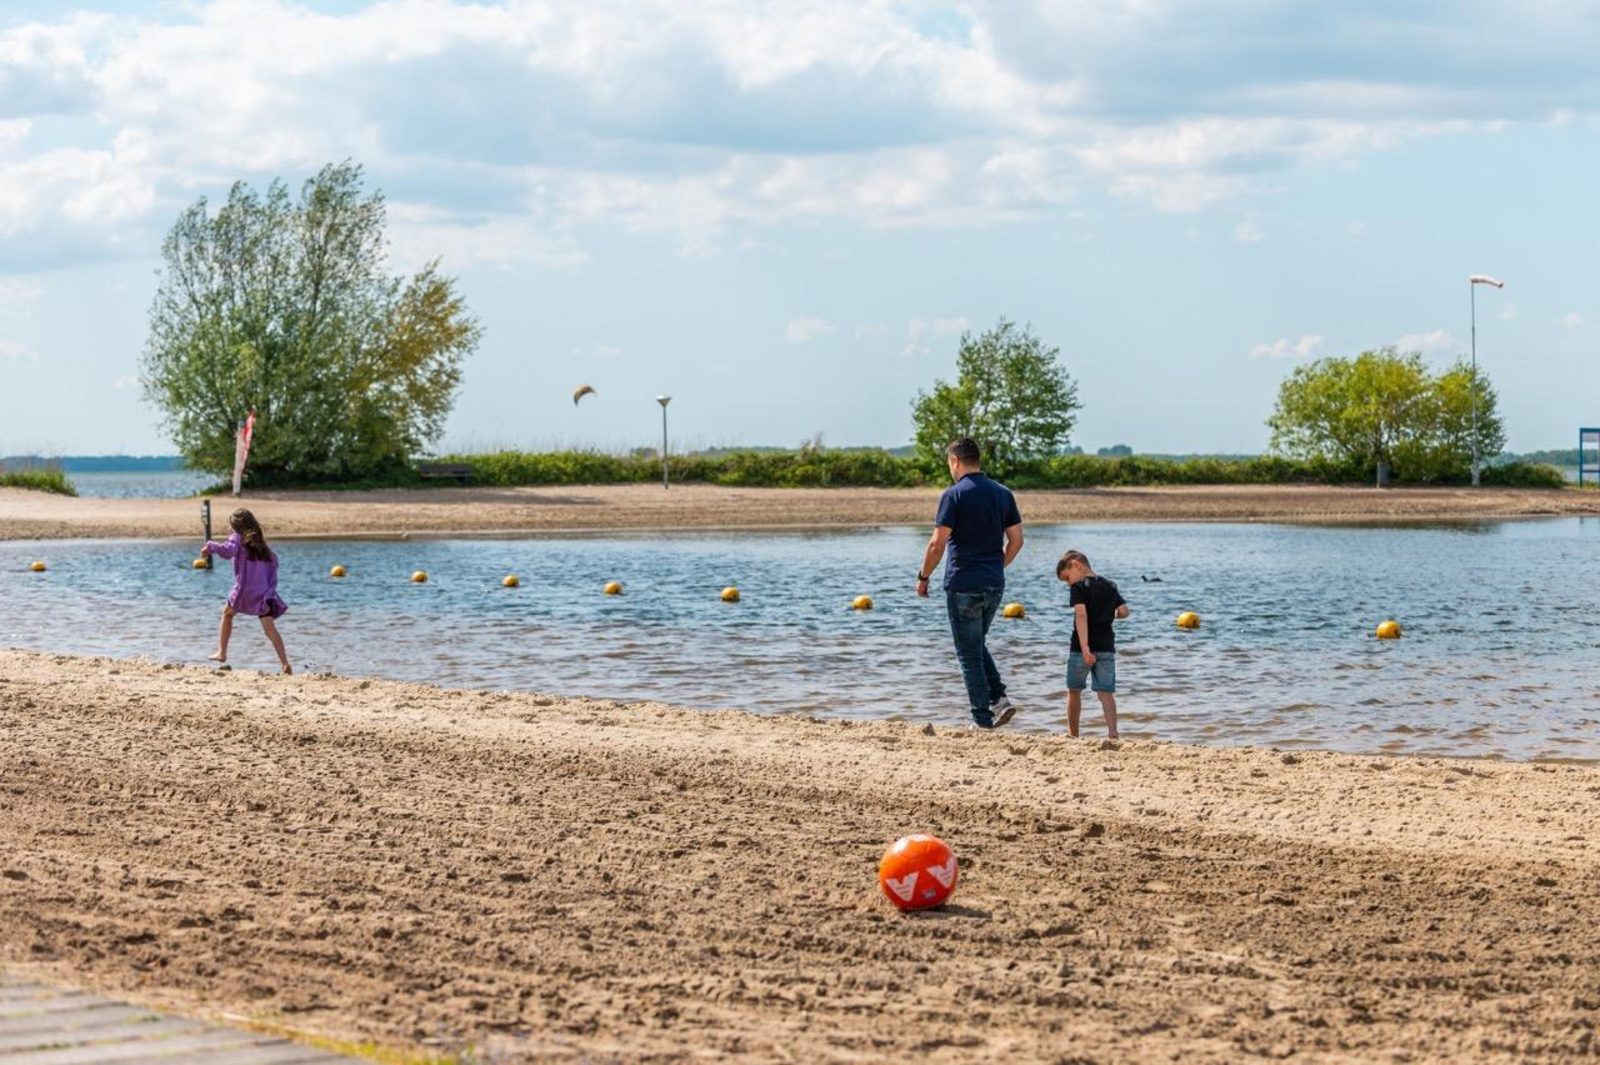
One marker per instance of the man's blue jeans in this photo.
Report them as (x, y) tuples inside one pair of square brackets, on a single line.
[(971, 614)]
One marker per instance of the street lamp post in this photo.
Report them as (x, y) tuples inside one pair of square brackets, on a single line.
[(664, 400), (1472, 283)]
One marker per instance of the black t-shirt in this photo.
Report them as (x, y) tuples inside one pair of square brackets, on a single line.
[(1101, 599)]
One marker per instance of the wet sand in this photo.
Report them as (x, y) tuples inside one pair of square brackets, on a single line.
[(465, 511), (565, 880)]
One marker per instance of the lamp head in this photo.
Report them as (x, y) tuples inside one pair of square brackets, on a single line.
[(663, 400), (1485, 279)]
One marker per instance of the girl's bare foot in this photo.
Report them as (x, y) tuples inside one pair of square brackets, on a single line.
[(217, 656), (288, 670)]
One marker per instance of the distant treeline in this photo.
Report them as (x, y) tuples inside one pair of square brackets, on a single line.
[(806, 468)]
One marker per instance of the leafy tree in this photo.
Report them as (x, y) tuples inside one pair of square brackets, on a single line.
[(285, 307), (1011, 395), (1384, 406)]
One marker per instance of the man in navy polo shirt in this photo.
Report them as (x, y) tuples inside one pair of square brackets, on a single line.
[(979, 521)]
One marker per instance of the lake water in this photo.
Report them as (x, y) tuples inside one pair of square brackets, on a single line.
[(150, 484), (1501, 653)]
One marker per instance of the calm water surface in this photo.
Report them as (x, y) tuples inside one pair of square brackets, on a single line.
[(150, 484), (1501, 655)]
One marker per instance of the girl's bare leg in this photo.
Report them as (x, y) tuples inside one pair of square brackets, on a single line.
[(224, 632), (271, 629), (1074, 708)]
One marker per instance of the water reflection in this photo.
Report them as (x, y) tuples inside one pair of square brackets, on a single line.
[(1499, 658)]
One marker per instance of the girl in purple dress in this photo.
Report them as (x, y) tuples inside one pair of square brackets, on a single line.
[(255, 583)]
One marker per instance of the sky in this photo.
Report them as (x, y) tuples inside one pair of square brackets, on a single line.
[(785, 214)]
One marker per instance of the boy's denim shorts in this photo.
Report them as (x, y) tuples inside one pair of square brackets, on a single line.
[(1104, 672)]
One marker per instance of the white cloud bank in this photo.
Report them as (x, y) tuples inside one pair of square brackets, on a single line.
[(502, 130), (805, 330), (1307, 347)]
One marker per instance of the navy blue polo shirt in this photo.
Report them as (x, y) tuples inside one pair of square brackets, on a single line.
[(977, 511)]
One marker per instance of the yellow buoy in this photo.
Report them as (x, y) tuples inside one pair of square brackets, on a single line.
[(510, 581), (1188, 620), (613, 588), (38, 567), (419, 577), (200, 563), (730, 595), (337, 571), (1014, 610), (861, 602), (1389, 630)]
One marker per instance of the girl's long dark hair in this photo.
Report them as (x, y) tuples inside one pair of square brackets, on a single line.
[(249, 529)]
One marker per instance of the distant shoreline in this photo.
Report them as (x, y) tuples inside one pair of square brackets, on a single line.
[(487, 512)]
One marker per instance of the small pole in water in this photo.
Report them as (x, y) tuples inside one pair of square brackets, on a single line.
[(205, 518)]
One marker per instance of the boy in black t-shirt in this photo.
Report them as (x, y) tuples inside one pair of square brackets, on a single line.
[(1095, 604)]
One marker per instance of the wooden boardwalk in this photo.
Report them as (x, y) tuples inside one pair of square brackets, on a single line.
[(41, 1025)]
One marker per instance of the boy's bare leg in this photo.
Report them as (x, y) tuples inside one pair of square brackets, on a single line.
[(1074, 710), (271, 629), (1108, 703), (224, 632)]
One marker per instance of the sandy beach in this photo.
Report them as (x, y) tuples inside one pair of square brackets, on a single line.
[(466, 511), (563, 880)]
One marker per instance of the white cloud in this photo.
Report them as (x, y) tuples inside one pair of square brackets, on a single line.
[(1436, 342), (805, 330), (125, 382), (1508, 312), (691, 119), (1247, 232), (1306, 347), (1573, 320), (11, 351), (921, 333), (18, 295)]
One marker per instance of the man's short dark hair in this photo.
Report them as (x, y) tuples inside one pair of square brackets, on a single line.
[(964, 451)]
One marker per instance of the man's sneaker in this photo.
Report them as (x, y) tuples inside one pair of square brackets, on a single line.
[(1003, 710)]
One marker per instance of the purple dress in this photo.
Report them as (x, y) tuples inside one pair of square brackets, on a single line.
[(255, 584)]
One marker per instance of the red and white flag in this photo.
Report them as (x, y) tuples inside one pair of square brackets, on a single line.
[(241, 449)]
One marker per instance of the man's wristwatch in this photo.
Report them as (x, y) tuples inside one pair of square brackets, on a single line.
[(920, 578)]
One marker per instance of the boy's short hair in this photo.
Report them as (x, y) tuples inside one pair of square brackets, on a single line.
[(1067, 559), (964, 451)]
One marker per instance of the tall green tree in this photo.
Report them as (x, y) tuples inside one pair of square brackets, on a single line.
[(1011, 394), (285, 306), (1385, 406)]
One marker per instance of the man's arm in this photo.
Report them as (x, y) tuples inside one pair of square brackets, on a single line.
[(1013, 542), (1122, 611), (1081, 620), (931, 557)]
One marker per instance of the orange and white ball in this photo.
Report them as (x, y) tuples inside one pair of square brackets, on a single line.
[(918, 872)]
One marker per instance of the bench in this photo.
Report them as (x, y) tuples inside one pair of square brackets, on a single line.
[(459, 472)]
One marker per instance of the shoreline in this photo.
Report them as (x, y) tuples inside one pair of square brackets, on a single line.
[(488, 512), (571, 879)]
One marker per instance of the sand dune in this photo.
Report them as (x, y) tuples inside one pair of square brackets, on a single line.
[(566, 880)]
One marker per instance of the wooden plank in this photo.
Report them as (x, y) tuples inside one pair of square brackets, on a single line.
[(158, 1049), (101, 1013), (61, 1002), (269, 1054), (13, 992), (60, 1038)]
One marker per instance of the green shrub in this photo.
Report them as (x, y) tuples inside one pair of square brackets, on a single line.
[(867, 467), (40, 480), (1524, 475)]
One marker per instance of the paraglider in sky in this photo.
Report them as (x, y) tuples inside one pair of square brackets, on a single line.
[(581, 391)]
